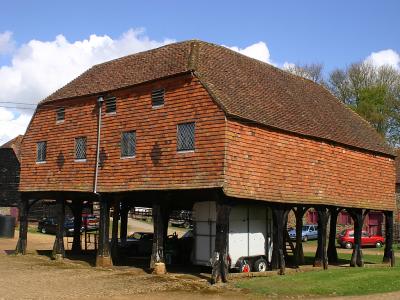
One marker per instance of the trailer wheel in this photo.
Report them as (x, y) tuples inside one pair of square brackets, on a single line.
[(260, 265)]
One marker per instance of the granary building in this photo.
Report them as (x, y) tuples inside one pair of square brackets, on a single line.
[(191, 122)]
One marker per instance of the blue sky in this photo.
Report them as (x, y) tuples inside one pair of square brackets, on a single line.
[(45, 44), (335, 33)]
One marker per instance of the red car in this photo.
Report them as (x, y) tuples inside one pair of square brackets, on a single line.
[(346, 239)]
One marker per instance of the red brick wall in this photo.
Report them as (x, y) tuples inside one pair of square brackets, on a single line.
[(273, 166), (157, 164)]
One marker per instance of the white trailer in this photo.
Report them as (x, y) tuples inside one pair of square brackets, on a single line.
[(250, 235)]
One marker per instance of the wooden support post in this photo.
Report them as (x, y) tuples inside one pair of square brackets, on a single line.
[(23, 226), (278, 258), (357, 257), (160, 223), (388, 256), (220, 267), (332, 251), (124, 221), (114, 233), (103, 258), (299, 253), (58, 248), (321, 258), (77, 208)]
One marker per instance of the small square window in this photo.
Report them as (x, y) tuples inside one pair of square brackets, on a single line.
[(128, 144), (60, 114), (41, 148), (157, 97), (111, 105), (80, 148), (185, 137)]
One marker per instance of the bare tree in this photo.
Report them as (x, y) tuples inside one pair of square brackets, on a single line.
[(313, 72)]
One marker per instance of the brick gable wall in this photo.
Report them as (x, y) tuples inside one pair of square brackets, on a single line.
[(273, 166), (157, 165)]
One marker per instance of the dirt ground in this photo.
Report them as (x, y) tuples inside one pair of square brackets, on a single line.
[(36, 276)]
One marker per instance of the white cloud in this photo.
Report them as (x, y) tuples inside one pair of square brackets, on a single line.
[(38, 68), (12, 124), (6, 42), (385, 57), (258, 51)]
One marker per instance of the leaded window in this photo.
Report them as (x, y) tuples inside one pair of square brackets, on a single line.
[(111, 105), (186, 137), (157, 97), (60, 114), (128, 144), (80, 148), (41, 148)]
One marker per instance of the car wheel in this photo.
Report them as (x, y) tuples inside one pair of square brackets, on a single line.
[(186, 225), (348, 245), (305, 238), (260, 265), (43, 230), (378, 244)]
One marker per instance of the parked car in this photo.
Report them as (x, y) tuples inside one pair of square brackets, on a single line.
[(90, 221), (346, 239), (49, 225), (182, 218), (308, 232), (138, 244)]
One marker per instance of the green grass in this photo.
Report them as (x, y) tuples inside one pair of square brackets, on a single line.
[(342, 281), (333, 282)]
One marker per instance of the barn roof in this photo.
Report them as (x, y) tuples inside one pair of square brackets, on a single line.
[(15, 145), (243, 87)]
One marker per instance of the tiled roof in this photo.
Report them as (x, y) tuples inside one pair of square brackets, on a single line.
[(243, 87), (14, 144)]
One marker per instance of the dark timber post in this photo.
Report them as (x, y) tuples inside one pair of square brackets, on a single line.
[(357, 257), (23, 226), (124, 221), (278, 257), (114, 233), (220, 268), (103, 258), (320, 255), (58, 248), (160, 214), (299, 254), (77, 208), (332, 251), (388, 256)]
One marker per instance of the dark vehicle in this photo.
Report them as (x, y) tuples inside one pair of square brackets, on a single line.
[(138, 244), (346, 239), (49, 225), (182, 218)]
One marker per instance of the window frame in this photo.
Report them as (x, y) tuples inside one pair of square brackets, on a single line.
[(178, 149), (163, 98), (75, 148), (105, 105), (58, 121), (122, 156), (42, 157)]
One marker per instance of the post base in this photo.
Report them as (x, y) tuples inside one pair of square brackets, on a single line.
[(103, 261), (159, 269), (58, 257)]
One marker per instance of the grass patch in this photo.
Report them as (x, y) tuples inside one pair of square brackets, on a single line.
[(333, 282)]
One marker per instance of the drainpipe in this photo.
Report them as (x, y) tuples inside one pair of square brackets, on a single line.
[(100, 101)]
